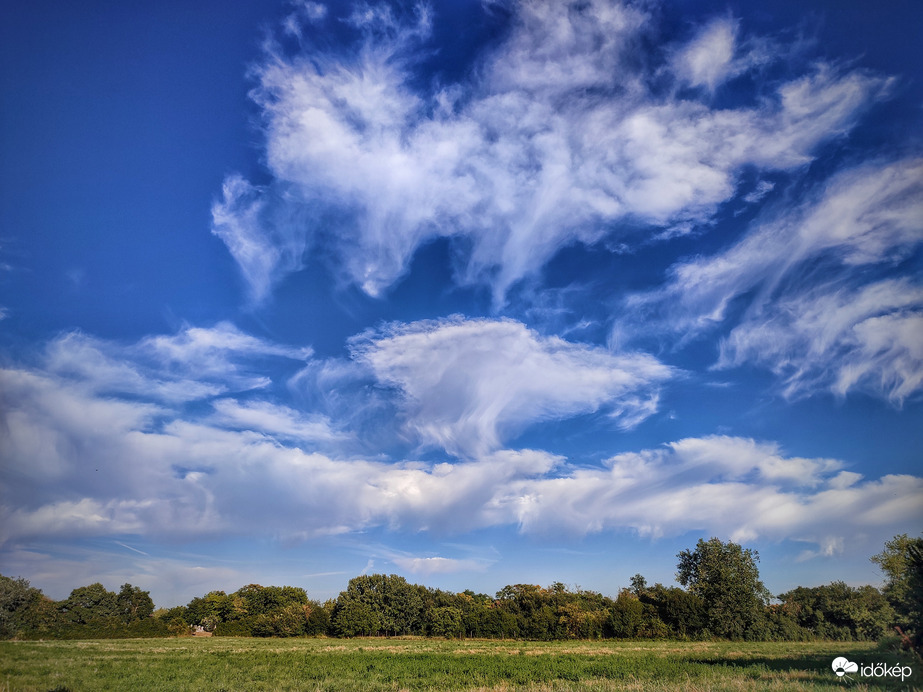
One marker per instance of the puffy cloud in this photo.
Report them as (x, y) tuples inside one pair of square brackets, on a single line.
[(78, 464), (554, 139), (721, 485), (193, 480), (471, 383), (80, 461), (833, 328)]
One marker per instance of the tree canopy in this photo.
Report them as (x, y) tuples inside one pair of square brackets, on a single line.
[(726, 578), (723, 597)]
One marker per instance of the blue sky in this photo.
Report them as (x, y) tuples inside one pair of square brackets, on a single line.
[(475, 292)]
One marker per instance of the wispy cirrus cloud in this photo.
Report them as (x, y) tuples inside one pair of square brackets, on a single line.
[(194, 363), (838, 339), (275, 419), (426, 566), (554, 139), (469, 384), (837, 329), (867, 215), (713, 55)]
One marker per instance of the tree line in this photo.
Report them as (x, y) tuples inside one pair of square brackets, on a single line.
[(721, 597)]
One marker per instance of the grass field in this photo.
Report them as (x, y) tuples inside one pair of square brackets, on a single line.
[(232, 664)]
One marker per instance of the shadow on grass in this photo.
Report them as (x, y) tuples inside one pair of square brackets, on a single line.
[(819, 667)]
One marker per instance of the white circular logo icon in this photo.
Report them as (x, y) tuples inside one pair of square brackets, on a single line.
[(841, 666)]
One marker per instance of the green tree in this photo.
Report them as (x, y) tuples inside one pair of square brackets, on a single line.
[(89, 605), (133, 604), (726, 578), (682, 611), (839, 611), (445, 621), (318, 618), (355, 618), (24, 610), (263, 600), (395, 605), (626, 616), (638, 584), (902, 562)]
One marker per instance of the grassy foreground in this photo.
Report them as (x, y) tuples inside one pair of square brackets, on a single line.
[(232, 664)]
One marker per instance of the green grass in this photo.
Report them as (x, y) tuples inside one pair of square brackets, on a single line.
[(232, 664)]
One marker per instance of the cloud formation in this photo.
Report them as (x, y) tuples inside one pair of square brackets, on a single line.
[(158, 473), (817, 309), (719, 485), (555, 137), (469, 384), (195, 363)]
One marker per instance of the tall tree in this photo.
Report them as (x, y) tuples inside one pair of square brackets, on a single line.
[(133, 604), (88, 604), (727, 579), (22, 607), (902, 562)]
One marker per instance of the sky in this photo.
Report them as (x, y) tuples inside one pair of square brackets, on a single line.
[(476, 292)]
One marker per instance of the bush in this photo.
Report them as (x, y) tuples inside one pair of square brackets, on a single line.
[(178, 627), (236, 628)]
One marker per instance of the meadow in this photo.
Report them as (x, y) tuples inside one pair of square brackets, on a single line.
[(378, 664)]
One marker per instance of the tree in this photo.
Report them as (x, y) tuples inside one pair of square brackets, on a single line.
[(445, 621), (89, 604), (263, 600), (355, 618), (386, 601), (682, 611), (726, 577), (23, 608), (133, 604), (839, 611), (638, 584), (626, 615), (902, 563)]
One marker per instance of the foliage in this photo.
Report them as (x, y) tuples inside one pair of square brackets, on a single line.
[(724, 598), (726, 578), (23, 609), (682, 612), (89, 604), (902, 562), (378, 604), (133, 604), (839, 611)]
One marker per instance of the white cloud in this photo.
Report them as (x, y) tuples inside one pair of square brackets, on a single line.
[(471, 383), (274, 419), (870, 339), (426, 566), (833, 328), (263, 237), (79, 465), (707, 59), (720, 485), (553, 140), (193, 364)]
